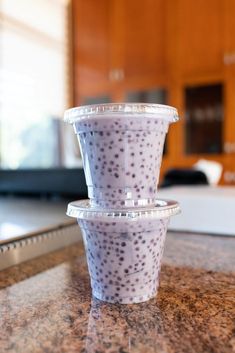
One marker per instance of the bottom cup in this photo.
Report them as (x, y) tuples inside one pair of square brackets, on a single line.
[(124, 249)]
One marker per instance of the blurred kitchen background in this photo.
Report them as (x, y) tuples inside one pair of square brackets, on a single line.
[(55, 54)]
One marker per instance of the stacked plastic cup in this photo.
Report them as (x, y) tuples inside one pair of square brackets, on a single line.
[(123, 224)]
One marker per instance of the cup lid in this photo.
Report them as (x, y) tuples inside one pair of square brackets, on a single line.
[(83, 210), (165, 112)]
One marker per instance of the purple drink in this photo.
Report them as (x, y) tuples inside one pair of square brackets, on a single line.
[(122, 146), (124, 249)]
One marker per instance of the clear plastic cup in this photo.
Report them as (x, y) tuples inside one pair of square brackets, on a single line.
[(121, 147), (124, 249)]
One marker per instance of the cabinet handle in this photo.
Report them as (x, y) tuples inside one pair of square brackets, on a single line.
[(116, 75), (229, 59), (122, 74), (229, 147), (229, 177)]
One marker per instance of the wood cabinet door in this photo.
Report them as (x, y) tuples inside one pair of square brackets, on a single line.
[(229, 54), (229, 64), (91, 46), (200, 37), (139, 39), (229, 121)]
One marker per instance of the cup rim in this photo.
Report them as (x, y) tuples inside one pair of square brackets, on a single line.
[(165, 112), (82, 209)]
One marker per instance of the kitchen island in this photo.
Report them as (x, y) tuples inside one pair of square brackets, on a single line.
[(46, 304)]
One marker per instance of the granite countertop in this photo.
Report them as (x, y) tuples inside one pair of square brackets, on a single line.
[(46, 304)]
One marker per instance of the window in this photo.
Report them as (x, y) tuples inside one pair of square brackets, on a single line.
[(34, 82)]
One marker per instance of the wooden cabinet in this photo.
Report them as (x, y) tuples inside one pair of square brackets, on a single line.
[(163, 51), (229, 40), (118, 45), (91, 47), (229, 77), (229, 123), (203, 45), (141, 40), (200, 36)]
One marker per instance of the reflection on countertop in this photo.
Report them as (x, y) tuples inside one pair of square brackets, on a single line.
[(21, 216), (46, 304)]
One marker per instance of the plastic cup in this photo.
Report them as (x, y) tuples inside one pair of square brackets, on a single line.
[(124, 249), (121, 147)]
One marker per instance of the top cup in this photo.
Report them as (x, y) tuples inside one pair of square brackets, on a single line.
[(121, 147)]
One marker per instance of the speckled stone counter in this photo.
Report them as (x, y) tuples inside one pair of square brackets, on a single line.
[(46, 304)]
